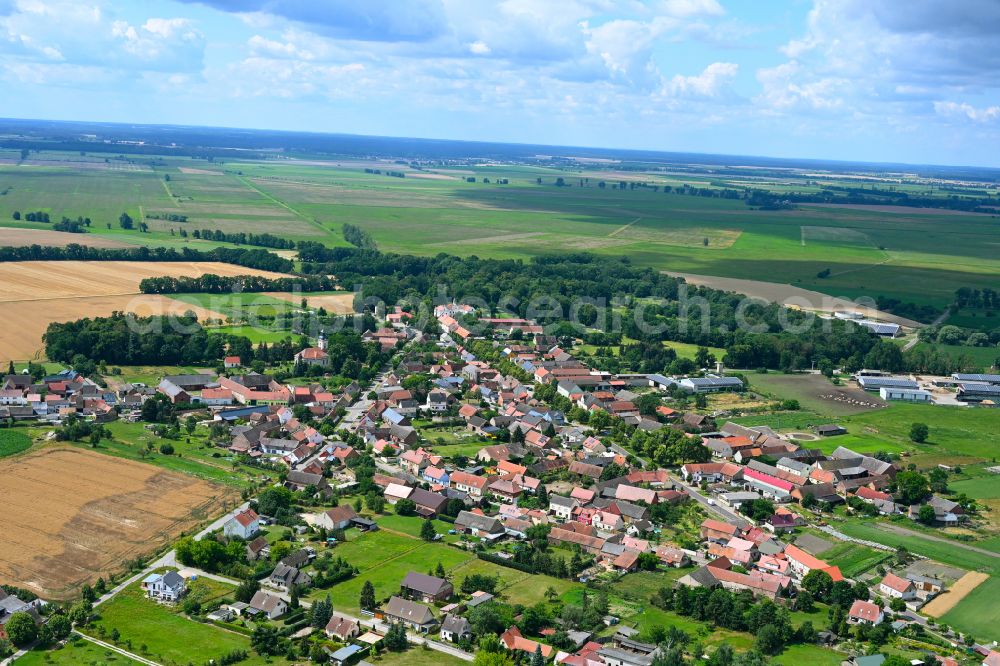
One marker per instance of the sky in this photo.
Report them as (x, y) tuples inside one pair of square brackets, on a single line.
[(913, 81)]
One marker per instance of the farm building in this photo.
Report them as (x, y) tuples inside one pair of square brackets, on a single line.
[(905, 394), (879, 328), (978, 392), (710, 384), (961, 377), (869, 383)]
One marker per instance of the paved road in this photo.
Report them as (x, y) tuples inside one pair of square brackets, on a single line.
[(720, 511)]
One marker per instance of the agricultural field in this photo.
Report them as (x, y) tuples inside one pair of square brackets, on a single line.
[(915, 255), (13, 237), (334, 302), (816, 393), (73, 515), (13, 441), (38, 293), (977, 612)]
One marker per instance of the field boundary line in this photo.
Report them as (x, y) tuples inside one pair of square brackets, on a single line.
[(274, 199), (623, 228)]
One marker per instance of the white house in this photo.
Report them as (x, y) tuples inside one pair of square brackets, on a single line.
[(894, 587), (168, 586), (244, 525)]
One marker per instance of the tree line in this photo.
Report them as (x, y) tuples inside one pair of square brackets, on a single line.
[(242, 238), (250, 258), (218, 284)]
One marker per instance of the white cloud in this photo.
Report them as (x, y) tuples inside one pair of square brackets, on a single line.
[(710, 83), (967, 111), (479, 47)]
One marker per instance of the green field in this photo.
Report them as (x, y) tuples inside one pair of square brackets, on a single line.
[(192, 454), (958, 435), (385, 557), (854, 559), (978, 357), (255, 334), (978, 612), (74, 653), (13, 441), (169, 637), (915, 256)]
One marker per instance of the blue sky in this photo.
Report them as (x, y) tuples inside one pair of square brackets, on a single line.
[(880, 80)]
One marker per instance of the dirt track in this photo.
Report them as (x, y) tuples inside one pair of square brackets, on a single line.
[(71, 515)]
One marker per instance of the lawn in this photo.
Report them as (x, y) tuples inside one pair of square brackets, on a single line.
[(975, 358), (132, 441), (255, 334), (384, 558), (980, 487), (935, 550), (13, 441), (168, 636), (411, 526), (417, 655), (854, 559), (958, 435), (74, 653)]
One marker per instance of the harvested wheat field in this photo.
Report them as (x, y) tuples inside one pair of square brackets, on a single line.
[(23, 237), (72, 515), (33, 280), (334, 303), (943, 603), (24, 341), (33, 294)]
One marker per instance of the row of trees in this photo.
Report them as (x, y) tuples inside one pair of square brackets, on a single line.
[(243, 238), (250, 258), (217, 284)]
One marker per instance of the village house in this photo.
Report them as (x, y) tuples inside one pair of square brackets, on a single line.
[(243, 525), (426, 588), (341, 628), (894, 587), (413, 615), (337, 518), (865, 612), (269, 605), (455, 628), (479, 525), (167, 586)]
